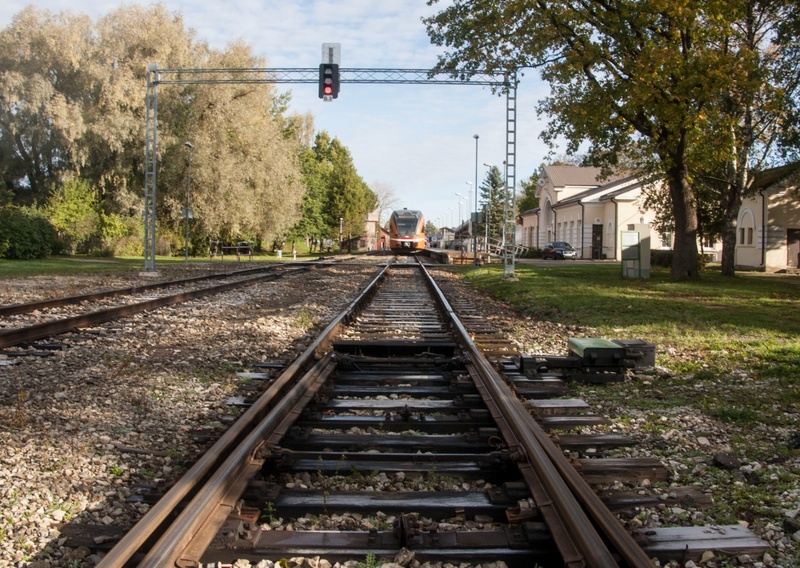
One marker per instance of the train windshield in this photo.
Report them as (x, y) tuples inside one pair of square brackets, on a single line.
[(406, 224)]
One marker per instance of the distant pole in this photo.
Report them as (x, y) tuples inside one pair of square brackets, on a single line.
[(459, 208), (340, 234), (469, 206), (488, 212), (187, 212), (474, 238)]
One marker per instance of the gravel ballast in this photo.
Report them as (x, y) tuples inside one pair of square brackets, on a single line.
[(133, 402)]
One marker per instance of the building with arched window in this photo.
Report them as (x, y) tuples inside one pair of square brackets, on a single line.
[(768, 224), (579, 206)]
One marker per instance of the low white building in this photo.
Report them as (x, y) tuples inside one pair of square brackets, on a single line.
[(579, 206), (768, 225)]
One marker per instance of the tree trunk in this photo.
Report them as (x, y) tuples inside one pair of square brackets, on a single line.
[(684, 208), (733, 200), (738, 183), (728, 247)]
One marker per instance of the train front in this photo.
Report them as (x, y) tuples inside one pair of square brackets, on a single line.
[(406, 231)]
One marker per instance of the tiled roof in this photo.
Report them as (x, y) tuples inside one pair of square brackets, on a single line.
[(772, 176), (562, 176)]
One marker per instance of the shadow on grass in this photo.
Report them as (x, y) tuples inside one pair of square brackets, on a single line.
[(751, 319)]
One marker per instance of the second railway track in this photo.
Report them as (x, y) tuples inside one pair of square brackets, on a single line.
[(24, 323)]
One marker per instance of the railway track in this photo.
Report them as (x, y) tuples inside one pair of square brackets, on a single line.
[(408, 428), (25, 323), (393, 435)]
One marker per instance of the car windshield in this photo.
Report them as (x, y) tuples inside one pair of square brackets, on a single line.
[(562, 245)]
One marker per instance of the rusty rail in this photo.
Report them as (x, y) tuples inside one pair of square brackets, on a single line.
[(586, 519), (70, 300), (585, 532), (55, 327), (233, 449)]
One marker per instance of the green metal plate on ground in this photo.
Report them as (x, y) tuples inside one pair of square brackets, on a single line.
[(579, 345)]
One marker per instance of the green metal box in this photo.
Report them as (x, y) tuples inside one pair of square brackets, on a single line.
[(596, 351), (641, 352)]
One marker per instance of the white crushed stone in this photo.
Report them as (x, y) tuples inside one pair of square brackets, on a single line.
[(79, 430)]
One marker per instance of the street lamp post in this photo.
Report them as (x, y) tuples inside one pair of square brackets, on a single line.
[(475, 241), (187, 212)]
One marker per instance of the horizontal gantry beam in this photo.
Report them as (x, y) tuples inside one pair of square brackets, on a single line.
[(346, 75)]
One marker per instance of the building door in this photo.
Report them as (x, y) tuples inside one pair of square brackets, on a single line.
[(597, 241), (793, 248)]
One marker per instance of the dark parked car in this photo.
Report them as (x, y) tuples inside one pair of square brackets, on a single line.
[(559, 249)]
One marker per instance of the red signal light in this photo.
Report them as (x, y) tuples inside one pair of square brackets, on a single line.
[(328, 80)]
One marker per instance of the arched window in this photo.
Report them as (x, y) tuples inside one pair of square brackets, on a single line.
[(548, 213), (747, 225)]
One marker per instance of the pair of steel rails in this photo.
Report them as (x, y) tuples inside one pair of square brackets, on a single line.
[(586, 533)]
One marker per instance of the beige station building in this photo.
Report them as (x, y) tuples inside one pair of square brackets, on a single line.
[(591, 212)]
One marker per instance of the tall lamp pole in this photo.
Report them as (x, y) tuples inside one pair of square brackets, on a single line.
[(475, 240), (188, 212)]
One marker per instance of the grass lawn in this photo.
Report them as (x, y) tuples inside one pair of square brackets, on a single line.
[(732, 343), (67, 266), (728, 351), (76, 265), (716, 324)]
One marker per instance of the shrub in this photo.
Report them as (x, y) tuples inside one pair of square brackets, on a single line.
[(73, 211), (129, 246), (664, 258), (661, 258), (25, 233), (166, 244), (114, 227)]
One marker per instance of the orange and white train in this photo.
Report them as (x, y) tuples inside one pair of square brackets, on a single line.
[(407, 231)]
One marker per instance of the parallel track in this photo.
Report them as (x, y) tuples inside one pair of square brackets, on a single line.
[(58, 325)]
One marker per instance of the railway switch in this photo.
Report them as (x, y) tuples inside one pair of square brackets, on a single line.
[(592, 360)]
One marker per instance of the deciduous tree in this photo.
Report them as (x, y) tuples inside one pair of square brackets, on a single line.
[(340, 197), (748, 120), (44, 77), (632, 77), (72, 105)]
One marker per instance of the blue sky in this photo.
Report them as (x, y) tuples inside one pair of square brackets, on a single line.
[(418, 140)]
